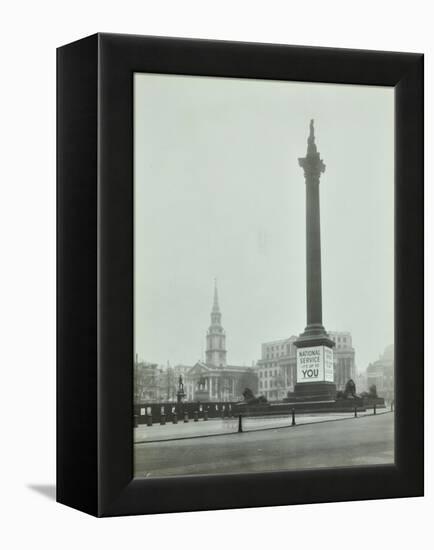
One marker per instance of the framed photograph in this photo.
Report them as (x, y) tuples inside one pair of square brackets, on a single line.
[(240, 275)]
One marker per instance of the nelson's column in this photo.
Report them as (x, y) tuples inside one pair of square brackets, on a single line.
[(315, 380)]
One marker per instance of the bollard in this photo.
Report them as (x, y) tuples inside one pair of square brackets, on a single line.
[(185, 417), (135, 421), (355, 412), (149, 420), (196, 416), (293, 417), (175, 419), (163, 420), (375, 408), (205, 415), (240, 424)]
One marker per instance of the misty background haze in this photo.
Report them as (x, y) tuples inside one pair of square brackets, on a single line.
[(219, 194)]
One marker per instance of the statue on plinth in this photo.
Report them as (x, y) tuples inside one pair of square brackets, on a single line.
[(180, 394), (250, 399), (349, 392)]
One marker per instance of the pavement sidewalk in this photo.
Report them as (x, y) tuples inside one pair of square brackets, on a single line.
[(218, 426)]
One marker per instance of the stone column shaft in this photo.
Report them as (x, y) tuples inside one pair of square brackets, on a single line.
[(313, 253)]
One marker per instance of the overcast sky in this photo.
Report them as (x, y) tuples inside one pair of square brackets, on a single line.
[(219, 193)]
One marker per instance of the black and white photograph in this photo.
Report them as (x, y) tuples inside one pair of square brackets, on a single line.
[(263, 275), (216, 260)]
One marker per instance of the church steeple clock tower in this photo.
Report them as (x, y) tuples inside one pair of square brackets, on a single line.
[(216, 338)]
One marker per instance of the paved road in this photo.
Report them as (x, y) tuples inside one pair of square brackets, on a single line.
[(359, 441)]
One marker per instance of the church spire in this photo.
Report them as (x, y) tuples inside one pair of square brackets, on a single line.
[(215, 306), (215, 338), (216, 317)]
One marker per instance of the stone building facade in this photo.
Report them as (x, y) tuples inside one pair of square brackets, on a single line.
[(344, 358), (277, 368), (147, 382), (381, 373)]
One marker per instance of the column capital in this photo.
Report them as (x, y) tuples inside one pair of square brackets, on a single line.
[(312, 164)]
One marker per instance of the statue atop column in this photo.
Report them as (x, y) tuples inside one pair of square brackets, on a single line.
[(312, 164)]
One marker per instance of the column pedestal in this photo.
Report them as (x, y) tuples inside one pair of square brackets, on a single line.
[(318, 390), (315, 391)]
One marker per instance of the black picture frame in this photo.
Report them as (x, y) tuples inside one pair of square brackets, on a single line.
[(95, 273)]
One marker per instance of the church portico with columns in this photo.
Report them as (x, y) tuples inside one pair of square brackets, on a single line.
[(205, 383)]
